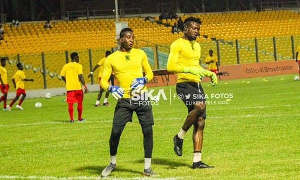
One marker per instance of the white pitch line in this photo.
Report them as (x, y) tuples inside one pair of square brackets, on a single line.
[(156, 119), (85, 178)]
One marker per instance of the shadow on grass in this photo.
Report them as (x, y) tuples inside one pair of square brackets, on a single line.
[(171, 164), (98, 170)]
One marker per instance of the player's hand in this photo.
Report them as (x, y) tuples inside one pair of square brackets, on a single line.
[(200, 72), (116, 91), (214, 79), (90, 75), (138, 84), (85, 88)]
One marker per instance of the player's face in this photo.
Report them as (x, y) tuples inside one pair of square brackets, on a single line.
[(127, 40), (3, 63), (21, 67), (76, 59), (192, 30)]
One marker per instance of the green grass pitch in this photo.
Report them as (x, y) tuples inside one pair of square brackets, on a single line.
[(253, 135)]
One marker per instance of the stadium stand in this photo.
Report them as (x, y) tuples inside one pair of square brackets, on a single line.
[(30, 39)]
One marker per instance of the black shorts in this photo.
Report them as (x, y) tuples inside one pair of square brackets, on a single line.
[(191, 93), (124, 110)]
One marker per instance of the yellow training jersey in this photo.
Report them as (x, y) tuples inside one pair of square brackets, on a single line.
[(101, 64), (127, 66), (3, 73), (71, 71), (18, 77), (184, 53), (213, 65), (298, 49)]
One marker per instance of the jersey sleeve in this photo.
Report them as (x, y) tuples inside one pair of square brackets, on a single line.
[(101, 62), (106, 75), (172, 65), (63, 71), (206, 59), (22, 75), (79, 70), (147, 68)]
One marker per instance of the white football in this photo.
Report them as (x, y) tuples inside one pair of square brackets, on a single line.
[(38, 104), (296, 78), (48, 95)]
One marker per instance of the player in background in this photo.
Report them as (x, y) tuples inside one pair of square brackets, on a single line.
[(4, 84), (101, 65), (212, 61), (184, 60), (128, 65), (72, 74), (297, 56), (18, 81)]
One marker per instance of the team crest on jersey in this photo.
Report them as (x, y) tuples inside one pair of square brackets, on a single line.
[(127, 57)]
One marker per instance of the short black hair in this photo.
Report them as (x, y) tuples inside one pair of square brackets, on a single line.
[(107, 53), (19, 64), (189, 19), (4, 59), (122, 32), (73, 55)]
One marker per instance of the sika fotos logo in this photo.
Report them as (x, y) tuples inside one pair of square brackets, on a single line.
[(155, 97), (214, 98)]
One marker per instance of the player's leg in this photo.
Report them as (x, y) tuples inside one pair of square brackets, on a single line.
[(22, 99), (71, 111), (105, 102), (299, 66), (193, 97), (5, 92), (198, 141), (13, 101), (122, 115), (99, 97), (71, 99), (145, 116), (79, 100), (18, 94), (97, 104), (4, 99), (4, 96)]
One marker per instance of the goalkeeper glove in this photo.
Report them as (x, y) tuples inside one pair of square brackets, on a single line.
[(116, 91), (138, 84), (200, 72), (214, 79)]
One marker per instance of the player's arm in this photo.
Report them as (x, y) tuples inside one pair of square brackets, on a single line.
[(116, 91), (207, 61), (2, 83), (147, 68), (139, 83), (14, 82), (63, 78), (63, 74), (297, 56), (28, 79), (81, 79), (172, 65), (106, 75), (94, 69)]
